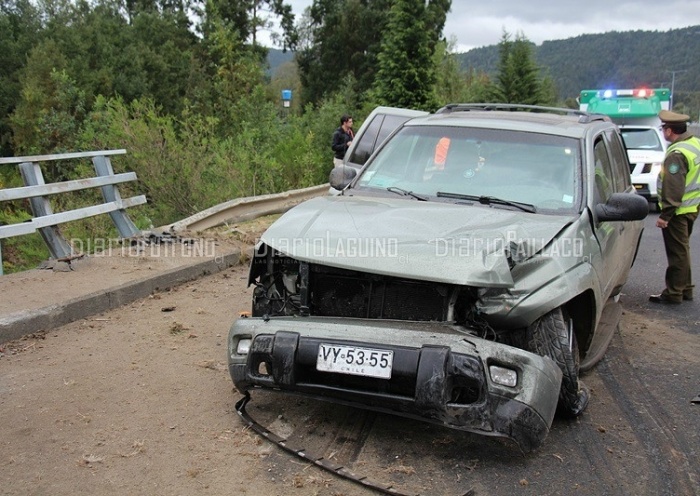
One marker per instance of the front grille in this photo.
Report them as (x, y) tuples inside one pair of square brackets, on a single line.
[(351, 294)]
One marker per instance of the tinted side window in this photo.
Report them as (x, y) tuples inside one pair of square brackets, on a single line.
[(390, 123), (620, 163), (375, 134), (604, 182), (365, 147)]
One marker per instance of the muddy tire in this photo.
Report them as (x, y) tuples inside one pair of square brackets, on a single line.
[(552, 335)]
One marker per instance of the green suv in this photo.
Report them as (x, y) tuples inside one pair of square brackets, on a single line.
[(465, 275)]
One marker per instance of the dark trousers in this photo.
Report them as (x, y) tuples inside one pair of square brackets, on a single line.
[(679, 281)]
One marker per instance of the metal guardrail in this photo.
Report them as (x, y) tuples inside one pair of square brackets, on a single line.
[(243, 209), (46, 221)]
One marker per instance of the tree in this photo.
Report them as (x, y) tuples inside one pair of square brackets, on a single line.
[(150, 55), (406, 74), (435, 17), (345, 40), (453, 85), (52, 107), (20, 26), (518, 79), (548, 91), (248, 17), (344, 37), (166, 51), (236, 80)]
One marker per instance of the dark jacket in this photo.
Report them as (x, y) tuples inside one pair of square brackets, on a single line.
[(340, 142)]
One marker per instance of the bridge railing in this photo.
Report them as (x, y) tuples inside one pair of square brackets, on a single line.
[(46, 221)]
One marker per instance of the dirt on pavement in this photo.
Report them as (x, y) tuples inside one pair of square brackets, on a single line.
[(138, 400)]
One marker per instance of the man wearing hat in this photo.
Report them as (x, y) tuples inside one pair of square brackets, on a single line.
[(678, 188)]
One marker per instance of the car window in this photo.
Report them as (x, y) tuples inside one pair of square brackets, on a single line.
[(378, 130), (620, 163), (604, 182), (389, 123), (365, 145), (512, 165), (642, 139)]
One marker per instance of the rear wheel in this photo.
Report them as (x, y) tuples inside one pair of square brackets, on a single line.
[(552, 335)]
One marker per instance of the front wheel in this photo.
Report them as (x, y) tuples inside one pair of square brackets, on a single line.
[(552, 335)]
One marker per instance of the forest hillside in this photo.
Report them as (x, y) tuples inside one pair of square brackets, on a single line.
[(616, 59)]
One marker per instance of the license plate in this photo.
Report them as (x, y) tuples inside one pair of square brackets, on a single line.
[(354, 360)]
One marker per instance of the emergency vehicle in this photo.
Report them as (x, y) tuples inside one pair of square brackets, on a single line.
[(635, 111)]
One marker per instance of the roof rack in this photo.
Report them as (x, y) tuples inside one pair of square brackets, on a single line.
[(584, 117)]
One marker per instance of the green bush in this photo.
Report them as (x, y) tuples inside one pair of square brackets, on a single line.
[(186, 165), (20, 252)]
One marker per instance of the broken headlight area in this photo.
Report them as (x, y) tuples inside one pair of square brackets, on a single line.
[(287, 287)]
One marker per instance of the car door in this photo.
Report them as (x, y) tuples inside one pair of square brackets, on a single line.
[(628, 231), (606, 232), (380, 123)]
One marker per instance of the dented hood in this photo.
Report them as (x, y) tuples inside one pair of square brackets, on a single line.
[(449, 243)]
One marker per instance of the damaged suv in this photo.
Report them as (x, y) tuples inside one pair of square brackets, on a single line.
[(465, 275)]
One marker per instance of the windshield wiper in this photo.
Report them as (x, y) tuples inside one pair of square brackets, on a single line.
[(403, 192), (488, 200)]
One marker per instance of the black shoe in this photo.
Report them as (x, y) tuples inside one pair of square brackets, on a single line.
[(660, 298), (687, 297)]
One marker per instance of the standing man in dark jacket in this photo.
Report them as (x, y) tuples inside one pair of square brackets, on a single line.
[(342, 139), (679, 198)]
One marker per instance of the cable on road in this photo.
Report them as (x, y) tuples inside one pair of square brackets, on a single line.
[(319, 461)]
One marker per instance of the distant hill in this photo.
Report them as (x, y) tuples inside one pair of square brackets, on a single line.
[(276, 58), (615, 59)]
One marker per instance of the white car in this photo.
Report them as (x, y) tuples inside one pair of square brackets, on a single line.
[(646, 149)]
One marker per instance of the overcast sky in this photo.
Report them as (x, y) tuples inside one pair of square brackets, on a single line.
[(475, 24)]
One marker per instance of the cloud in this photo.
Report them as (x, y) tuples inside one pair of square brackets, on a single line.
[(476, 24)]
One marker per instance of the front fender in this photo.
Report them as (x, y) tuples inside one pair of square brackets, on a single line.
[(518, 308)]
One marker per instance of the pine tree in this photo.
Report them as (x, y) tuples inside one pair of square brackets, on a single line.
[(406, 75), (518, 79), (344, 40)]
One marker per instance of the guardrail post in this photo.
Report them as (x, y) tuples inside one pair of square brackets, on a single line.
[(32, 176), (126, 228)]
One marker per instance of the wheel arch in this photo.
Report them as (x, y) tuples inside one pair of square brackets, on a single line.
[(582, 310)]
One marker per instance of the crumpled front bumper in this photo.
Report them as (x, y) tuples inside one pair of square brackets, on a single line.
[(439, 375)]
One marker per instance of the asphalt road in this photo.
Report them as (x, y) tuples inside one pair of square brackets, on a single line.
[(647, 277)]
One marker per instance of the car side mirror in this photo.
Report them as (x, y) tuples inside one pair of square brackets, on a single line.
[(621, 207), (341, 176)]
